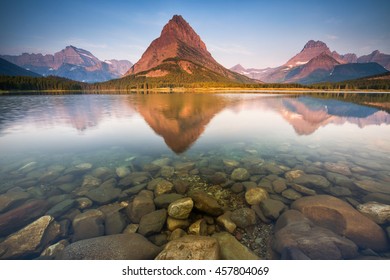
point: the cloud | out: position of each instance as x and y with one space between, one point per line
230 49
332 36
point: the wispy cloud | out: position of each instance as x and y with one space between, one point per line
332 37
230 49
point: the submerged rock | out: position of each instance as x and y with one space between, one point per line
88 225
231 249
114 220
139 207
191 247
308 180
198 228
373 186
163 201
181 208
130 246
240 174
243 217
296 237
272 208
378 212
31 239
10 199
105 193
61 208
340 217
206 203
152 222
226 221
255 195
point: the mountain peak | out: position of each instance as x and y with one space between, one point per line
315 44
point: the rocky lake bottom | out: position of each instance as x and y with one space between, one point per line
251 198
235 202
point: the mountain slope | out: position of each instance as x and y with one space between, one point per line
353 71
10 69
72 63
180 51
378 57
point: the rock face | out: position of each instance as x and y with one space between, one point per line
72 63
231 249
191 247
31 239
297 238
334 214
179 41
130 246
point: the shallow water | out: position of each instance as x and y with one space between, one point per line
49 144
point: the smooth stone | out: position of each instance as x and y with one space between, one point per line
297 235
218 178
181 186
184 166
132 228
17 218
191 247
173 224
105 193
266 184
181 208
230 163
11 199
240 174
122 171
272 208
198 228
90 182
56 199
237 187
249 185
150 167
133 190
61 208
55 249
83 203
31 239
340 180
176 234
373 186
291 194
67 187
340 191
162 162
163 187
139 207
114 220
340 168
88 224
131 246
226 222
255 195
303 190
65 179
340 217
260 214
163 201
103 173
243 217
279 185
273 168
206 203
167 171
231 249
378 212
152 222
159 239
308 180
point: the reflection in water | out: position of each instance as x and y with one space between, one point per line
180 119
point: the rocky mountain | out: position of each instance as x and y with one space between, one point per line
10 69
378 57
72 63
316 63
180 52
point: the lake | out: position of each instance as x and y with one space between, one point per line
295 176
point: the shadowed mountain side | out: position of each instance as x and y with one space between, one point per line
180 120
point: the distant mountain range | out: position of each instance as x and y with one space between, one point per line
316 63
72 63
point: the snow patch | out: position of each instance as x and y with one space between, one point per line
108 62
301 62
84 54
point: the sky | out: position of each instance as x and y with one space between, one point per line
256 34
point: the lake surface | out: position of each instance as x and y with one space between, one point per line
57 150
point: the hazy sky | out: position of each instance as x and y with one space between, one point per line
254 33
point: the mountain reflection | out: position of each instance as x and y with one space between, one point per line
180 119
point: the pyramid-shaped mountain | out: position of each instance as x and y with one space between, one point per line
179 51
